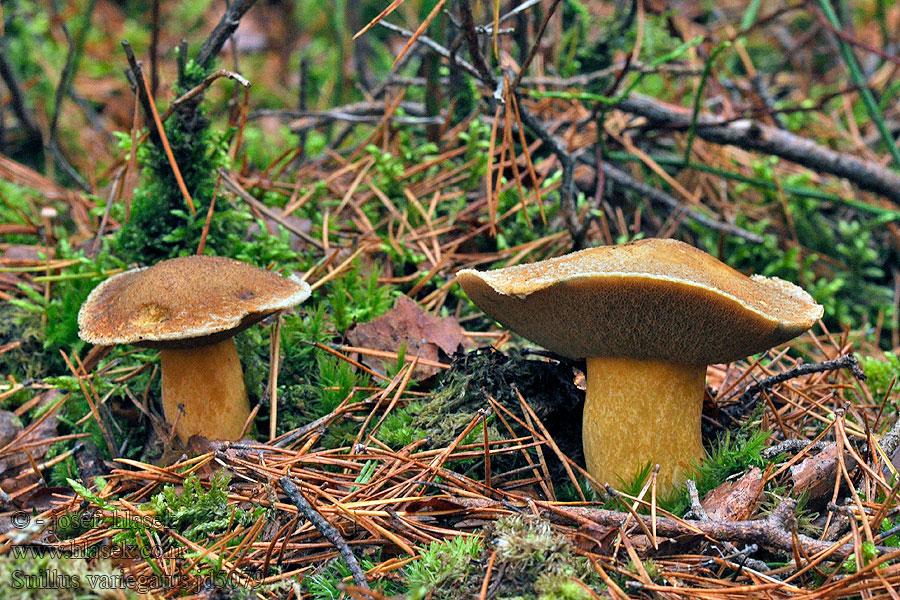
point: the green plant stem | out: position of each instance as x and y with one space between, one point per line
860 81
74 276
698 98
606 100
747 21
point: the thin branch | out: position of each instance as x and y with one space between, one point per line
657 196
223 30
430 43
153 117
275 215
17 96
471 37
359 112
73 61
536 45
136 76
890 441
752 135
328 531
773 531
792 445
201 87
64 78
746 402
154 48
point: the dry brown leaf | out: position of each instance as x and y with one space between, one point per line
426 336
594 538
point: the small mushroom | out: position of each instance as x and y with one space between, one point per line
191 308
648 316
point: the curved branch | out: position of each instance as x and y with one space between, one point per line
752 135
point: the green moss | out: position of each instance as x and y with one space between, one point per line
559 588
326 584
881 374
444 568
531 562
463 391
731 453
197 513
356 298
398 429
161 225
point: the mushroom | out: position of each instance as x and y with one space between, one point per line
191 308
648 316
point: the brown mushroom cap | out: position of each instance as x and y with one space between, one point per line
653 298
184 302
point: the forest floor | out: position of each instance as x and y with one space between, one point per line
402 443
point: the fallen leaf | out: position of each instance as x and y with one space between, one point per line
45 498
734 500
25 446
424 335
597 539
16 459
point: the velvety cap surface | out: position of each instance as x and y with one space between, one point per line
184 302
652 298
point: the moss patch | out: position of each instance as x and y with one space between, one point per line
531 562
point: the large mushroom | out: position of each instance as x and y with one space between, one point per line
648 316
191 308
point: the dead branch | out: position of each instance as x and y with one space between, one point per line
471 37
752 135
326 529
223 30
17 96
135 77
732 414
433 45
357 112
890 441
657 196
772 532
793 445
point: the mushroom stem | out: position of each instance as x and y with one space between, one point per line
208 383
640 412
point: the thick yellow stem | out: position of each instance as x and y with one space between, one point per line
640 412
208 383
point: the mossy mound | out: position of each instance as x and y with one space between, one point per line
531 561
547 385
